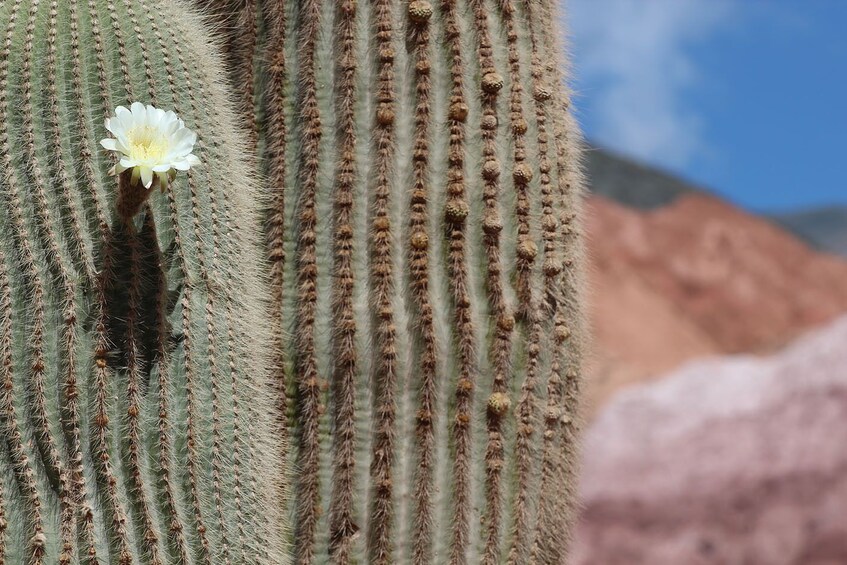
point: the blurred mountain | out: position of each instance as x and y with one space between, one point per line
728 460
641 186
824 228
631 183
697 277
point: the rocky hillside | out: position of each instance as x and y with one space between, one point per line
684 276
738 460
640 186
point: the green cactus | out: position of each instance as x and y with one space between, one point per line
424 237
136 410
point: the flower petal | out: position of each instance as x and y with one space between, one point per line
128 163
172 127
185 134
150 116
109 143
186 163
159 116
146 176
115 125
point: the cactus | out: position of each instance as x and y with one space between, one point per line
424 240
137 408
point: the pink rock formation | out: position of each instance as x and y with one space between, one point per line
734 460
696 278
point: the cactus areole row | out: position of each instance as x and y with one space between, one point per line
287 282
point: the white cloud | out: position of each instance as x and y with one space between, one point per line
634 68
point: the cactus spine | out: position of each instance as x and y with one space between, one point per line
425 242
137 410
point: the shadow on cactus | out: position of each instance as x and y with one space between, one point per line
137 414
136 288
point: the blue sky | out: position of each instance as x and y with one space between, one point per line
746 97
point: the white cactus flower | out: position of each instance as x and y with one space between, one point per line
151 142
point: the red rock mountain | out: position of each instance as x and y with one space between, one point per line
693 278
733 460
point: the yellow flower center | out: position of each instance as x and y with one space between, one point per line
146 144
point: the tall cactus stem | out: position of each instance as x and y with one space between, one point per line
211 352
177 544
260 548
455 221
70 417
202 546
214 372
238 452
105 479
